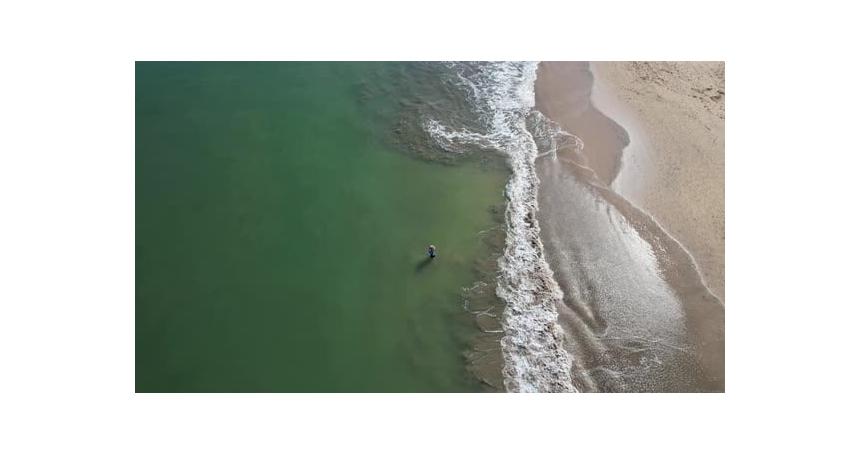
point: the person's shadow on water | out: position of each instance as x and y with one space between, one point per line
423 263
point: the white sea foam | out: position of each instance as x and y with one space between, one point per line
452 140
532 346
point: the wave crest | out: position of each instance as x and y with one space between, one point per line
502 95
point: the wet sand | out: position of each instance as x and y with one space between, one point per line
563 93
675 166
637 314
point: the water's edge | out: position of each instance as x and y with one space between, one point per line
532 345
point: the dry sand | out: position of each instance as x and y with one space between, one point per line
621 217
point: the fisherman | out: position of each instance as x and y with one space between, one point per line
431 251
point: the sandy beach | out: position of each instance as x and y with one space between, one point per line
675 171
632 220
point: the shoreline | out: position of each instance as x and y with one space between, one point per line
533 352
636 312
674 166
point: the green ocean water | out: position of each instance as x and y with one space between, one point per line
280 237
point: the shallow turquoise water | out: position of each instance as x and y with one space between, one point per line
280 239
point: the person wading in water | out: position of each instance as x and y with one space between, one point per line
431 251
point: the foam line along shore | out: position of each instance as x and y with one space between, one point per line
502 99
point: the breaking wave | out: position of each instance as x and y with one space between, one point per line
502 96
